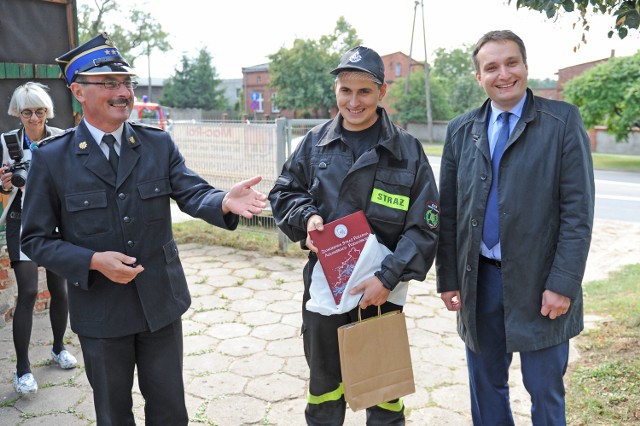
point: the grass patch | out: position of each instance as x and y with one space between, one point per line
603 386
261 240
434 148
616 162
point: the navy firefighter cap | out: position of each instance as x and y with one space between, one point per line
97 56
362 59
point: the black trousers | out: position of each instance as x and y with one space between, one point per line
326 405
110 365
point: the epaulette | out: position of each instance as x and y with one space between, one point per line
52 138
145 125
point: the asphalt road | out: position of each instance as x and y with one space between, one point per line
617 193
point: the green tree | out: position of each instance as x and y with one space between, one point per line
626 13
300 75
453 63
343 38
194 84
177 91
609 94
456 71
413 106
141 35
547 83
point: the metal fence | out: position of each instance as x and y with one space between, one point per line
225 152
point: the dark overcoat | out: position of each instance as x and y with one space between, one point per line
546 198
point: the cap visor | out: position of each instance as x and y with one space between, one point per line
338 70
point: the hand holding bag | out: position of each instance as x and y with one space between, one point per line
375 360
321 300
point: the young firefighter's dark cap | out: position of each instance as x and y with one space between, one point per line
362 59
97 56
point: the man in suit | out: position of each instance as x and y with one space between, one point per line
517 198
100 216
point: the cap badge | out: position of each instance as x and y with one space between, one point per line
107 40
355 57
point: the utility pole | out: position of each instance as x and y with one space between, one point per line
149 71
406 82
427 81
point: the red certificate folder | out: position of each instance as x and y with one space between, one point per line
339 247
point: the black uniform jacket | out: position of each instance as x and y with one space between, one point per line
75 206
392 183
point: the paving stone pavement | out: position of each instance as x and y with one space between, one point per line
243 355
244 361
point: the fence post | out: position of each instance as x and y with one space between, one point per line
283 147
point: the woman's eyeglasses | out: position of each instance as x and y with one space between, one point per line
112 84
40 113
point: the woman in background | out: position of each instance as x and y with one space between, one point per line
33 106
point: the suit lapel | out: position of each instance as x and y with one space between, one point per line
90 154
94 159
479 132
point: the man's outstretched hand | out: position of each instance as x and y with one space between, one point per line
243 200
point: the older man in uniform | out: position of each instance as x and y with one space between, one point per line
100 216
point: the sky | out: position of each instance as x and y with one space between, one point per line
242 33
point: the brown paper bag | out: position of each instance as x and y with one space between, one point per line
375 360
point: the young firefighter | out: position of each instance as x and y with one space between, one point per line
359 160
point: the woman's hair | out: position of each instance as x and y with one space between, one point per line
30 95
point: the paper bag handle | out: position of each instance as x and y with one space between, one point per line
360 312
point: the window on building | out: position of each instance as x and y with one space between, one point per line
260 101
274 103
398 69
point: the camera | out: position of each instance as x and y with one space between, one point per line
19 168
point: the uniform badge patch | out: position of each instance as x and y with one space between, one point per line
432 216
393 201
83 145
132 140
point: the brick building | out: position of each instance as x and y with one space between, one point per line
258 101
395 67
566 74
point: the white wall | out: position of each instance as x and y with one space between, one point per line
606 143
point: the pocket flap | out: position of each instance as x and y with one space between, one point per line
170 251
155 188
86 201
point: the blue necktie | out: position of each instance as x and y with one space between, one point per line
491 229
